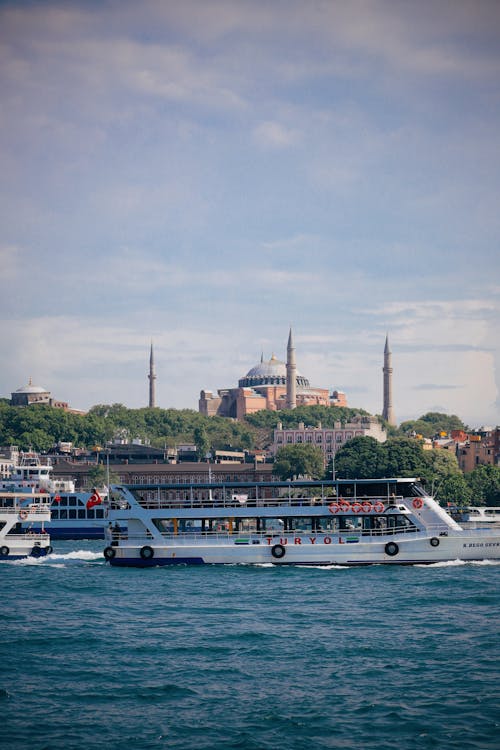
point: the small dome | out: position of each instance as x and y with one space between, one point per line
30 388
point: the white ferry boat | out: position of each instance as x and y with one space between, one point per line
16 509
345 522
74 515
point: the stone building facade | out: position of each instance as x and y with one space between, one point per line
328 439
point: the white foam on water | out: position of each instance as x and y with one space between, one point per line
58 560
83 554
458 563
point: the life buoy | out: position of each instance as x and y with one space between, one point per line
367 506
4 551
23 515
418 503
147 552
378 507
278 551
434 542
109 553
344 505
391 549
356 507
333 508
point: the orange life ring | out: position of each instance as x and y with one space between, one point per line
378 507
367 506
333 508
418 503
344 505
356 507
23 514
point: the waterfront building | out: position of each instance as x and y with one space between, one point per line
328 439
153 470
271 384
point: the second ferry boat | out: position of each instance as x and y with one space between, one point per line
74 514
345 522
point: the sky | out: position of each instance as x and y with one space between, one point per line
206 174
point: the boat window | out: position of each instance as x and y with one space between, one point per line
91 513
350 523
81 513
54 514
72 501
99 513
72 513
63 513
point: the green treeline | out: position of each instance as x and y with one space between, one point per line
43 427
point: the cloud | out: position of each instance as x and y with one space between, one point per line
435 387
274 135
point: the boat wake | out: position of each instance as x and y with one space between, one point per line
458 563
76 557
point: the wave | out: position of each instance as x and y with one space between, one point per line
457 563
60 560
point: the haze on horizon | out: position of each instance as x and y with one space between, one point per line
207 174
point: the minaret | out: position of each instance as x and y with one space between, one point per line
152 378
387 410
291 374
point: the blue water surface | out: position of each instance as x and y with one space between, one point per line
253 658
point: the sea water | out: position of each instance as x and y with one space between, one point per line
266 657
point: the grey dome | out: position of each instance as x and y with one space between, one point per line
269 372
31 389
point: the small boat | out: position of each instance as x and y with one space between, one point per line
75 514
16 509
473 517
342 522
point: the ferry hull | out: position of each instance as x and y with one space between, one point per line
279 551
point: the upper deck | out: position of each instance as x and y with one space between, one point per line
309 494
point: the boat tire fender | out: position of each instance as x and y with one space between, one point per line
109 553
147 552
36 551
391 549
49 550
434 541
4 551
278 551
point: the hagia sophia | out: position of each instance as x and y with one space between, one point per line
271 384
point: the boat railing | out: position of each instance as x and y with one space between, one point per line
159 503
25 509
32 536
197 535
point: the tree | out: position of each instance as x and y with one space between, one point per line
359 458
453 490
403 457
299 460
200 438
484 483
431 424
